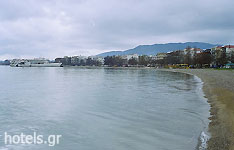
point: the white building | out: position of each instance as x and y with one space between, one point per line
135 56
229 48
161 56
193 51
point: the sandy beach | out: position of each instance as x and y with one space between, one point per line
219 90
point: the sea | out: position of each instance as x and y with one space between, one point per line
82 108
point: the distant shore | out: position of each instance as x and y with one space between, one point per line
218 88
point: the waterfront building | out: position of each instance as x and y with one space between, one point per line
161 56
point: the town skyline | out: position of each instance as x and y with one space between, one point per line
191 56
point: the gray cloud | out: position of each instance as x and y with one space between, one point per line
41 28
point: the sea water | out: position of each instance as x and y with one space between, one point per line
103 108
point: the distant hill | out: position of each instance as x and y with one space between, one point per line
159 48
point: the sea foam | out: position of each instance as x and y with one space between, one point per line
203 141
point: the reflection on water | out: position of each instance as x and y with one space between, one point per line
102 108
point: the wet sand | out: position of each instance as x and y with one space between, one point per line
219 90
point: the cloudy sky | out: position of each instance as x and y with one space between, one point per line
53 28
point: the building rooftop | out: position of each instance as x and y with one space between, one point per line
229 46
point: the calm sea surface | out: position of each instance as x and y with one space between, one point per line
102 109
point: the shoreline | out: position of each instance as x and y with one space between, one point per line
217 87
219 92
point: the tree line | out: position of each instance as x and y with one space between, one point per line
69 61
190 57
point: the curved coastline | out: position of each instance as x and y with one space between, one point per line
205 134
218 89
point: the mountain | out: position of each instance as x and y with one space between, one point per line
158 48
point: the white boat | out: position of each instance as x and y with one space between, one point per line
38 62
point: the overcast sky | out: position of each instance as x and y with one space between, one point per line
53 28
